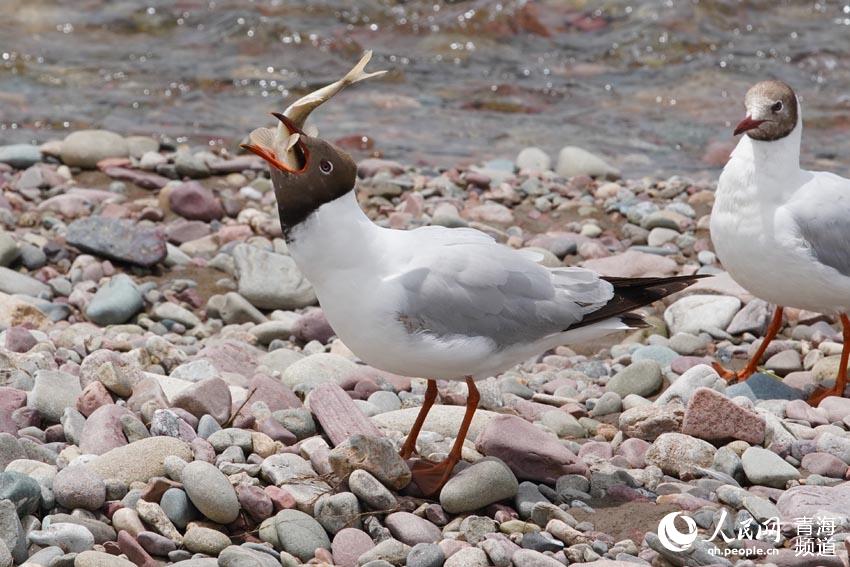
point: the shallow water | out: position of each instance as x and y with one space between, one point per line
652 85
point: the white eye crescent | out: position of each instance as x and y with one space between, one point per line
326 167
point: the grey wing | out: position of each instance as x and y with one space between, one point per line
821 212
478 288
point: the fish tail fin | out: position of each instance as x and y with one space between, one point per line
358 73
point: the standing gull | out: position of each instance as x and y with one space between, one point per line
780 231
433 302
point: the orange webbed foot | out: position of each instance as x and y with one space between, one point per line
430 477
731 376
821 393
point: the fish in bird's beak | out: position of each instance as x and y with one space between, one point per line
291 148
324 174
282 147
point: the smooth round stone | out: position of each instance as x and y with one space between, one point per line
101 531
72 538
317 369
103 430
337 511
533 159
475 528
348 545
390 550
79 487
298 421
205 540
156 544
573 161
20 156
527 496
411 529
642 378
207 425
470 557
608 403
300 534
385 401
193 562
271 281
23 491
84 148
677 454
824 464
140 460
221 440
52 392
210 492
541 542
563 424
767 468
694 313
255 502
127 519
662 355
245 556
784 362
531 558
178 507
100 559
477 486
371 491
11 532
426 555
115 302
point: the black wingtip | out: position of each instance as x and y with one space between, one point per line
634 293
634 321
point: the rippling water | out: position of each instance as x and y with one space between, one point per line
653 85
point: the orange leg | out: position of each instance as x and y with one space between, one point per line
772 330
410 443
430 477
841 380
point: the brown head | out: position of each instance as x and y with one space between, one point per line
771 111
322 174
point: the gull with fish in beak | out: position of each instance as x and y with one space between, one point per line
434 302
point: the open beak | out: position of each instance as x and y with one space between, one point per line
269 155
747 123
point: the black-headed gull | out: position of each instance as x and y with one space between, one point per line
783 233
433 302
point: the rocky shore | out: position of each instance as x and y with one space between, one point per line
170 393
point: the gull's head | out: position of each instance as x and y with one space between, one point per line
307 171
771 111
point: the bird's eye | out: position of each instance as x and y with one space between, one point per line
326 166
777 106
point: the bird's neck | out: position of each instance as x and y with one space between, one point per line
773 159
768 171
336 236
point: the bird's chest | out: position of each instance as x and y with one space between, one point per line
750 242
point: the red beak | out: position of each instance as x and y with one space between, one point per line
747 124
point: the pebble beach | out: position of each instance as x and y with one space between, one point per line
171 393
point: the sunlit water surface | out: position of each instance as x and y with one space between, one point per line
654 86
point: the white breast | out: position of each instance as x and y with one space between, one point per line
347 258
756 239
